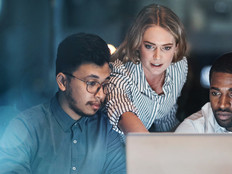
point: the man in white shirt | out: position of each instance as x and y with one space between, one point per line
216 115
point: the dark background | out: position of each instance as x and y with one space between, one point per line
30 31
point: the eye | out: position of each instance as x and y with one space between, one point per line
230 94
215 93
92 83
166 48
148 46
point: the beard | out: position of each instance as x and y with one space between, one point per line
226 124
72 103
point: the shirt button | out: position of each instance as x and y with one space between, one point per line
74 141
74 168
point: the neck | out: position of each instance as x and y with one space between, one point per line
156 82
65 106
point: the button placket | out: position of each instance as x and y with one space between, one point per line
74 147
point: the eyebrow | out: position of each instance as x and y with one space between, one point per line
92 76
162 44
214 88
95 77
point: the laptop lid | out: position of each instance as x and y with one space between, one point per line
168 153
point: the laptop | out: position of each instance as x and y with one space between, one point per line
169 153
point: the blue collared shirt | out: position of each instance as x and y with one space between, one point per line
44 140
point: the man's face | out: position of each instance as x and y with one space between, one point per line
221 98
80 102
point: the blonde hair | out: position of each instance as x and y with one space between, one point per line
151 15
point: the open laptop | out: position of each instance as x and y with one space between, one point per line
168 153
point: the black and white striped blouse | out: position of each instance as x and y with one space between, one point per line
133 94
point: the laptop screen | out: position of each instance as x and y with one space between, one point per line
168 153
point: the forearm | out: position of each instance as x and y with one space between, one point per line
129 122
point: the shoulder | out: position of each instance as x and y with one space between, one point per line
195 117
122 74
23 127
118 67
30 119
179 70
194 123
200 115
180 66
35 113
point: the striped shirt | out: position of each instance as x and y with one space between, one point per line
133 94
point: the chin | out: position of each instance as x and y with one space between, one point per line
89 114
225 125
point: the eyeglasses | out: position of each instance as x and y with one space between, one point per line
93 86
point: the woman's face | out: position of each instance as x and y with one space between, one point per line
157 50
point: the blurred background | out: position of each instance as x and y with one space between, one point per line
30 31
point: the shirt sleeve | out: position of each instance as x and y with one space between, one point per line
116 158
14 149
120 99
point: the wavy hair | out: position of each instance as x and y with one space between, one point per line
151 15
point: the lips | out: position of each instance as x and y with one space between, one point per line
223 116
156 64
95 106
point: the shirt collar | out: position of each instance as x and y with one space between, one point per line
168 76
220 129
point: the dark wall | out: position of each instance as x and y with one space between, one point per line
31 30
25 52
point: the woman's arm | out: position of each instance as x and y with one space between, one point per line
129 122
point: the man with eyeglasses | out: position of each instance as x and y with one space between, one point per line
71 133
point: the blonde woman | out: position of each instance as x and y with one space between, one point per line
149 71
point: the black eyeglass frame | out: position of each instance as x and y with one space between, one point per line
100 85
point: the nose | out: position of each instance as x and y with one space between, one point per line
225 102
156 53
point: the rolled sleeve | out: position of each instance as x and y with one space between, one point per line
118 103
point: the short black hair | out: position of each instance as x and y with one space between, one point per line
222 64
81 48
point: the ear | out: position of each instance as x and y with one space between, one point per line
61 80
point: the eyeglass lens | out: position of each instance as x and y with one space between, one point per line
107 88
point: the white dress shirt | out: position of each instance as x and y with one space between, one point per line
202 121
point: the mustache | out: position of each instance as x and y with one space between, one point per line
223 110
99 102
